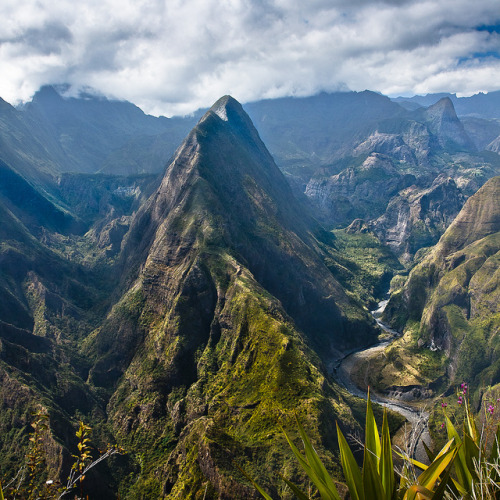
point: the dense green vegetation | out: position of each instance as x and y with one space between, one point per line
189 316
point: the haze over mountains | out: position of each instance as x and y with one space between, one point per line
176 283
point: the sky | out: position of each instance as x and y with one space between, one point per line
175 56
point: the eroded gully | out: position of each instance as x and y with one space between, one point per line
418 418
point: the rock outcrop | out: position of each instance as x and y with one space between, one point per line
455 291
417 217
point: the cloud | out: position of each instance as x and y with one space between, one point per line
172 56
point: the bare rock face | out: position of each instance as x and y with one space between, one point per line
393 144
361 192
446 126
417 217
494 145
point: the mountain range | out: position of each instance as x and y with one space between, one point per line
178 285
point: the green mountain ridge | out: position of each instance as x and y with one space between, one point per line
453 293
214 336
187 315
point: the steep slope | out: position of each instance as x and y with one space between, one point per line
454 292
25 149
213 338
31 206
444 124
47 305
417 216
304 134
92 133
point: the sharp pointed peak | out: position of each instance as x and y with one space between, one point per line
226 106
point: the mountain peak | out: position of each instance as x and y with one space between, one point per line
444 123
231 111
225 103
47 93
444 107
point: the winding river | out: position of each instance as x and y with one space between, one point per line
418 418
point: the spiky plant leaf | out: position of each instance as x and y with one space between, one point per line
464 476
317 467
430 454
372 438
429 477
314 468
372 483
351 470
386 466
417 492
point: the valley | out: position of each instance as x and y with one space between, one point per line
416 414
183 284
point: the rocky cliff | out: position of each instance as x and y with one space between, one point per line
215 334
454 292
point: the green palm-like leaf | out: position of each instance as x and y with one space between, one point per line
429 477
351 470
430 454
372 483
314 468
386 466
327 484
372 438
418 492
464 477
441 489
470 425
472 454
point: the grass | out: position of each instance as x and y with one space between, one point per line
362 264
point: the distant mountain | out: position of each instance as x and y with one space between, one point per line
306 133
417 216
454 292
483 132
479 105
214 332
411 150
332 147
96 134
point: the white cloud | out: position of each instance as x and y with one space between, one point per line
172 56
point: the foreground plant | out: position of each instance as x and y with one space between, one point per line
477 464
29 482
461 469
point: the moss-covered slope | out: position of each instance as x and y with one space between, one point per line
454 294
211 344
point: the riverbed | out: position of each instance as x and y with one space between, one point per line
418 418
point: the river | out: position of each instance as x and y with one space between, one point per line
418 418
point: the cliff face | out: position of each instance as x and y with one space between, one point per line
445 125
213 336
358 192
417 217
408 177
454 291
